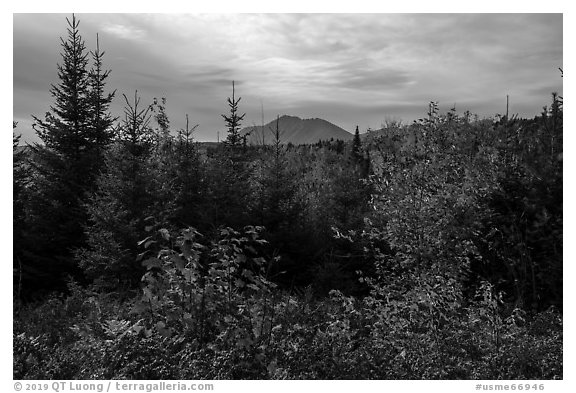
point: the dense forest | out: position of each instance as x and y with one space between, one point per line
424 251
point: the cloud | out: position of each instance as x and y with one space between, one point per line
348 68
207 77
124 31
363 76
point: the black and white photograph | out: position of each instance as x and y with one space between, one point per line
287 196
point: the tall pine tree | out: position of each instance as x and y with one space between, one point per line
101 131
233 121
229 174
357 145
279 205
74 133
20 181
189 179
124 198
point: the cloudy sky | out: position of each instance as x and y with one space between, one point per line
350 69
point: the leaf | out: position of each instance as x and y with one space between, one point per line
139 308
187 248
165 234
146 295
178 262
144 241
140 256
148 243
151 263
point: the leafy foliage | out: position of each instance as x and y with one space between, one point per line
204 290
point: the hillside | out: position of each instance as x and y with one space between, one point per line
296 131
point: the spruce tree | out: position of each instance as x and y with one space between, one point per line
360 156
20 181
73 133
280 208
357 145
233 121
188 179
229 175
64 129
101 133
20 177
123 200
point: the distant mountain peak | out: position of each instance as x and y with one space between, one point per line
297 131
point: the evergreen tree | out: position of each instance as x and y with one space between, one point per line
280 208
74 133
233 121
20 177
188 178
102 131
360 157
64 130
357 145
124 199
20 181
229 189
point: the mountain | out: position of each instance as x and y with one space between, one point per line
296 131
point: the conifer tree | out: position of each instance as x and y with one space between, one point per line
233 121
74 133
280 207
64 129
188 178
102 132
360 156
357 146
124 199
20 181
20 177
229 174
